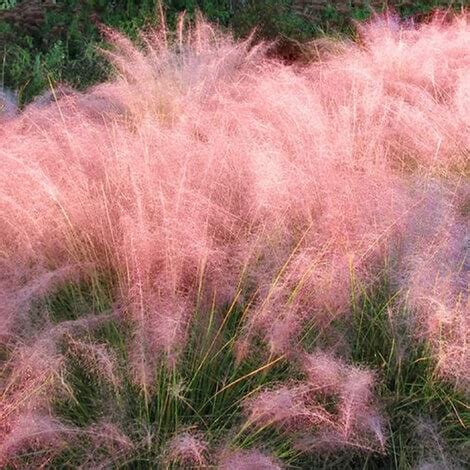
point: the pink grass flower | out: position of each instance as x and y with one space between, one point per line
187 448
248 460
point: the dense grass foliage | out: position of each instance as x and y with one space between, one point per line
55 41
217 259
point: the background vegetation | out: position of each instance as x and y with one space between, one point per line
49 41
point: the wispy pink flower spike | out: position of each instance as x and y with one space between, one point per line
248 460
324 372
356 395
34 431
287 408
187 448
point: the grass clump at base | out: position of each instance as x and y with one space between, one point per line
206 388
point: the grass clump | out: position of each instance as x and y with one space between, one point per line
220 259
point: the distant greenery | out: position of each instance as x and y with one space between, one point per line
49 41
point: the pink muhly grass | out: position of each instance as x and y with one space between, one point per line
333 408
432 448
34 431
357 422
187 448
286 407
435 279
206 173
18 296
109 445
108 433
145 193
248 460
354 421
32 380
324 372
96 358
33 373
355 397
